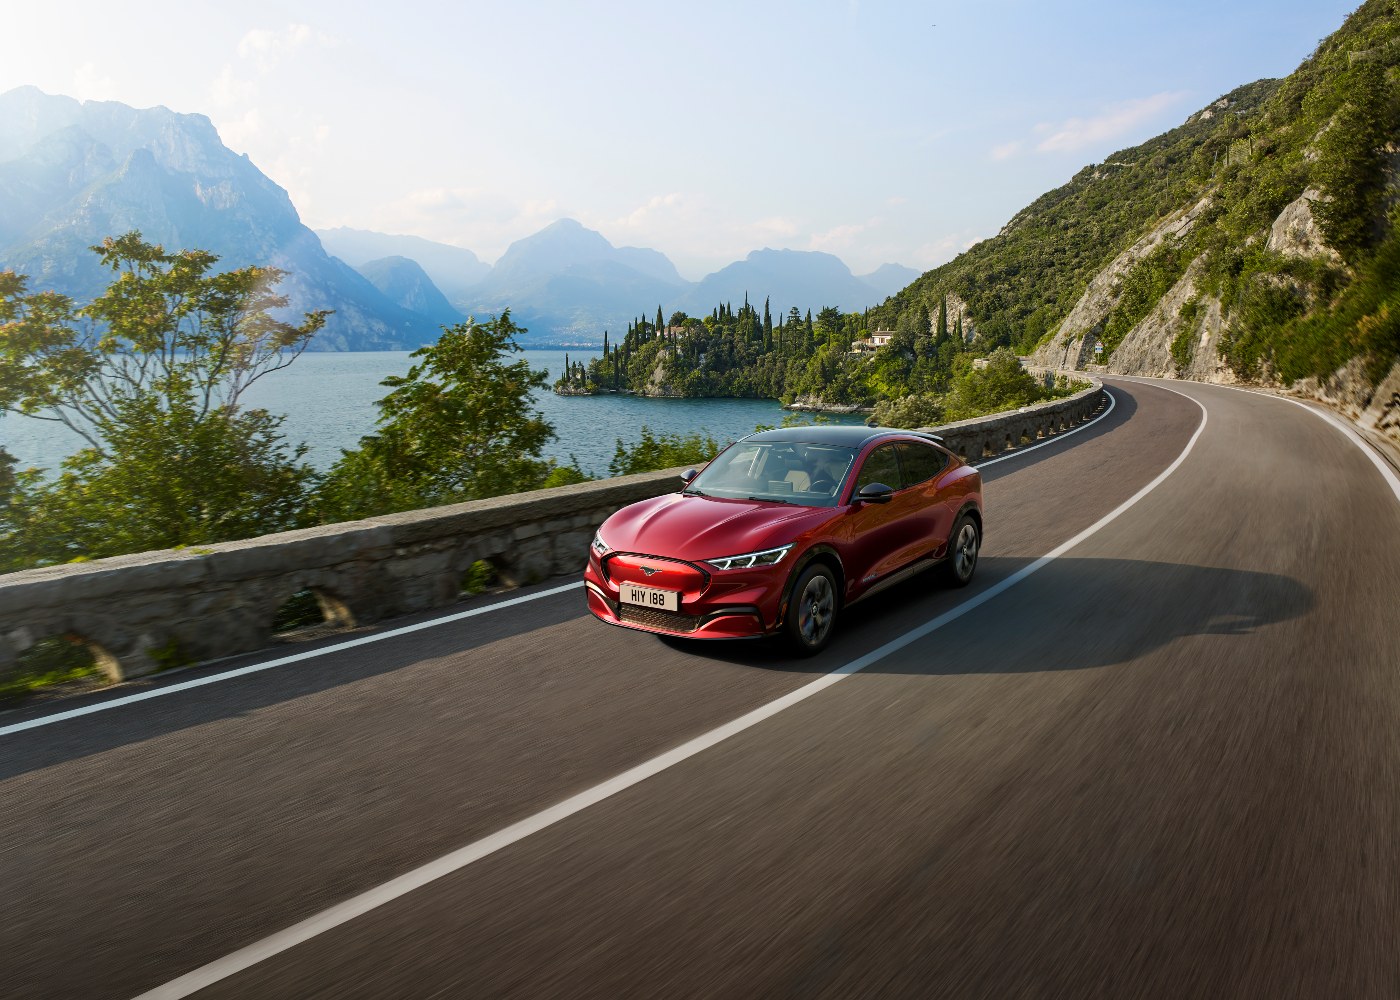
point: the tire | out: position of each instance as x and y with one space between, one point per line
811 614
963 546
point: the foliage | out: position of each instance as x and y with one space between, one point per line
457 427
150 374
662 451
166 478
1183 345
1331 125
914 410
49 662
1001 385
167 326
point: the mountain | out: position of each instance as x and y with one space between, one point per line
888 279
568 282
72 173
406 284
806 279
452 269
1255 242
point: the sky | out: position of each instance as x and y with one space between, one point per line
877 131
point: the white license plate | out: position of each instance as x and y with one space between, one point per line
666 600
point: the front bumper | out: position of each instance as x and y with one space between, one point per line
734 605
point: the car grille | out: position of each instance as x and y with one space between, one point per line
671 621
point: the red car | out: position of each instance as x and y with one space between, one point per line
782 530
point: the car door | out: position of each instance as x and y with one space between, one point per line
881 537
921 466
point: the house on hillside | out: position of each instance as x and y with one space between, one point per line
872 343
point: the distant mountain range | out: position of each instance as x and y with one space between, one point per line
568 283
73 173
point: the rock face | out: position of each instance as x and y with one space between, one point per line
1295 233
1072 346
957 309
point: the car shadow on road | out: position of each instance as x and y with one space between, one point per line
1071 614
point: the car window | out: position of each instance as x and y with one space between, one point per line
794 472
881 466
920 462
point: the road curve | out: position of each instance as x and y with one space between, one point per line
1167 763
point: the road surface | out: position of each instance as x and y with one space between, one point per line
1163 763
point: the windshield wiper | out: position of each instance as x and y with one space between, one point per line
772 500
693 493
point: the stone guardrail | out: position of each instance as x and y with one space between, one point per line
143 612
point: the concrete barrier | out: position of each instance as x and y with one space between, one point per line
139 613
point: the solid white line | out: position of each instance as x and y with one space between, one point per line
161 692
1387 473
341 913
1057 438
281 661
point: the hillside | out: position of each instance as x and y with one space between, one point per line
454 270
73 173
1255 242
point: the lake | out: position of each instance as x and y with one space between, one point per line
328 400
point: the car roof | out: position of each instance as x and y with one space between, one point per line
842 435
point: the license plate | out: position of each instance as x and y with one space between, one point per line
666 600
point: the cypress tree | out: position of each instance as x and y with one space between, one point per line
942 318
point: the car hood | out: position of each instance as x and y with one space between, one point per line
695 528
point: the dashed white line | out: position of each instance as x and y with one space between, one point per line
341 913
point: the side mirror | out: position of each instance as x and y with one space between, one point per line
688 475
875 493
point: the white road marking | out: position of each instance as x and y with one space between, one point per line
1387 473
1053 440
356 906
281 661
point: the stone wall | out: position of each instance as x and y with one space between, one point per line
141 612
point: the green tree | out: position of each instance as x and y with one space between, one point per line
150 375
662 451
1351 164
1002 385
459 426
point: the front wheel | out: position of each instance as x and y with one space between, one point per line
811 610
963 546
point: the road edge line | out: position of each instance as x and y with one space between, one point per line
358 905
103 706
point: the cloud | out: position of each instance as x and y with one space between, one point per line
841 238
268 44
89 84
1006 150
1077 133
652 211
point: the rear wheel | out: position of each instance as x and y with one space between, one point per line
811 610
963 546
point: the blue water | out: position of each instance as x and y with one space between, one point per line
328 400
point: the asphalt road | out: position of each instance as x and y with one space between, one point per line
1164 764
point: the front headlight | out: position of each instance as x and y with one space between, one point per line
601 547
750 560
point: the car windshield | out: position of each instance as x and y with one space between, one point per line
795 472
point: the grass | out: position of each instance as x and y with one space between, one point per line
46 664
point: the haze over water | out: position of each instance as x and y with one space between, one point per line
329 398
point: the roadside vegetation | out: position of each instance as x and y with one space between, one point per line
1331 127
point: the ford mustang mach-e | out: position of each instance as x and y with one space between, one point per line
783 530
